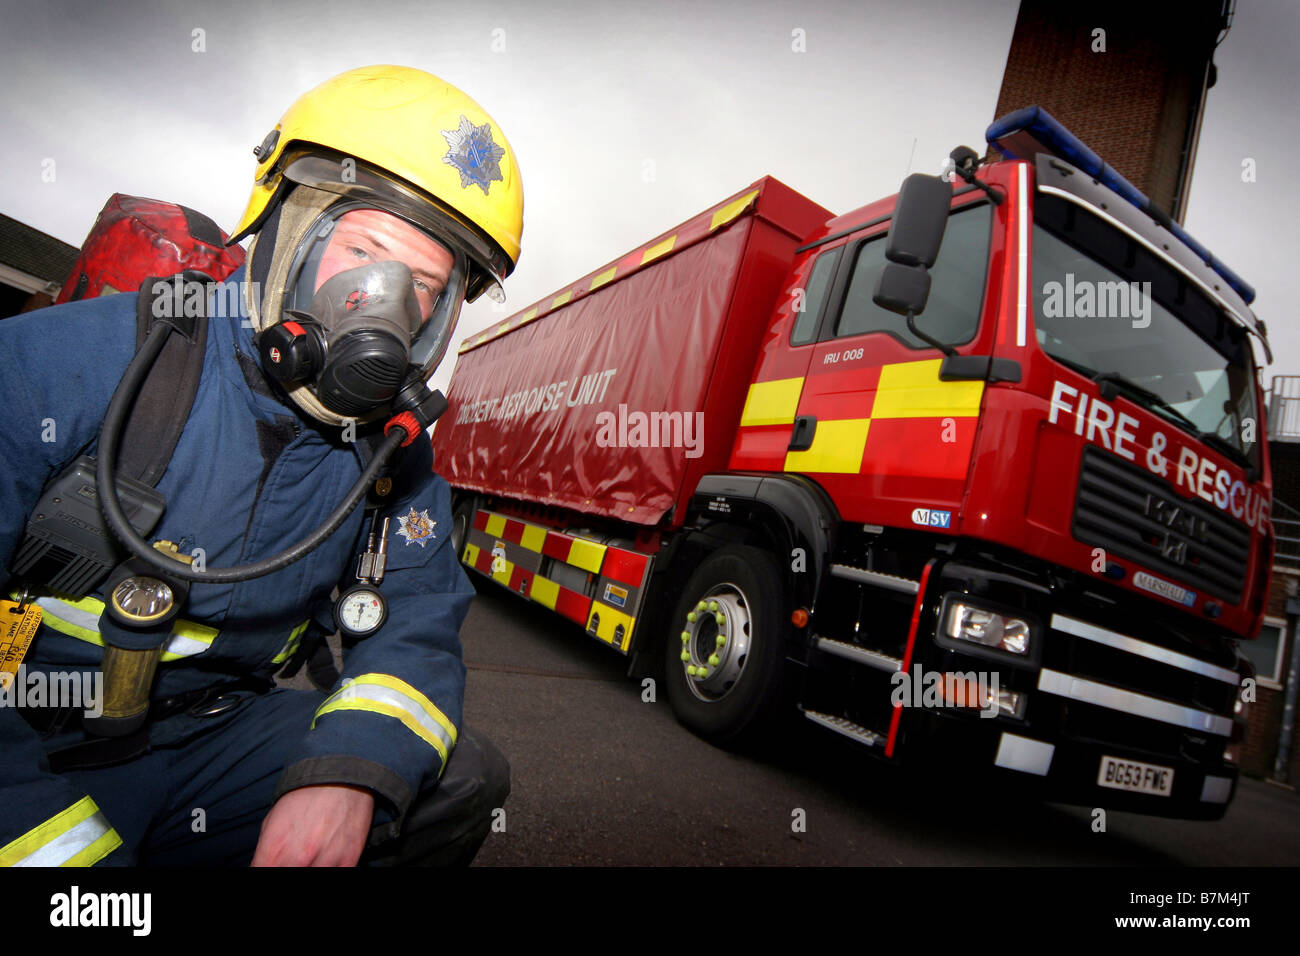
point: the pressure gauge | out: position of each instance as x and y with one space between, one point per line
360 610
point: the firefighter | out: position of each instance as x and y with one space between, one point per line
383 199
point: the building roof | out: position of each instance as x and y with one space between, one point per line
34 252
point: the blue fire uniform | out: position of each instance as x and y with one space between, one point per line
250 476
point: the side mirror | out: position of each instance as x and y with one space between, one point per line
920 217
915 234
902 289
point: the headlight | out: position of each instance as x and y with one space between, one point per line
968 622
1240 727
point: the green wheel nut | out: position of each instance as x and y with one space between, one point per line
686 637
713 605
714 660
722 639
692 617
720 618
691 670
686 656
701 606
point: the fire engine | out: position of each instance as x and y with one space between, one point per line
999 430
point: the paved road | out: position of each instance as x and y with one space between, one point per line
602 778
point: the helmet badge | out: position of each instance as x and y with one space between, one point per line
474 154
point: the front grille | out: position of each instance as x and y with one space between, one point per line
1159 661
1134 514
1159 742
1108 665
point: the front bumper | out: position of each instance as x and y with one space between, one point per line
1106 679
1065 770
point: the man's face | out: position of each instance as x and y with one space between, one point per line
364 236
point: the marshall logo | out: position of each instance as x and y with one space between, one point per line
1182 524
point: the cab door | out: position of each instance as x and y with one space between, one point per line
875 425
767 420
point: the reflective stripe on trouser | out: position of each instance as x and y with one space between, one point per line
382 694
291 645
79 836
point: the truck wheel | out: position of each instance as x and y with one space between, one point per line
461 518
726 645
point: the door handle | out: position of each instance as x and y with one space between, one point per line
805 426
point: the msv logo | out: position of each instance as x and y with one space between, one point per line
930 518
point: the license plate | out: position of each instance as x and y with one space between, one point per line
1136 777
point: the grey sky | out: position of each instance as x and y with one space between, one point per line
590 95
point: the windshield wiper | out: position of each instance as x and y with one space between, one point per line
1150 398
1076 366
1228 448
1119 383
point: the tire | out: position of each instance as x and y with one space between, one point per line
731 702
461 517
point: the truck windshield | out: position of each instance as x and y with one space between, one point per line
1107 307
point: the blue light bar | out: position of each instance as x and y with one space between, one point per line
1033 130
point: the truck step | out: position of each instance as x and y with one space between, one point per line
861 655
890 582
848 728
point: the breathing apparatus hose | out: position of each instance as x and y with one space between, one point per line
110 437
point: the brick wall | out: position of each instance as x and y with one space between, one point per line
1277 595
1260 746
1284 456
1134 104
1259 749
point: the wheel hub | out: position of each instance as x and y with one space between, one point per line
715 642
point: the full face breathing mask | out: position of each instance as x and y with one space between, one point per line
353 335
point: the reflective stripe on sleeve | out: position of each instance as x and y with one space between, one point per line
79 836
382 694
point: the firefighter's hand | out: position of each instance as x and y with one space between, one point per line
316 826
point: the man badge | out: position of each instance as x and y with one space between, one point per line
416 527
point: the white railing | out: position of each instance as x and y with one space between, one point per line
1284 408
1286 529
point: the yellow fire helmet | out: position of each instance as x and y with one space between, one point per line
417 132
396 139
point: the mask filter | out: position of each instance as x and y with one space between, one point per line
354 345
